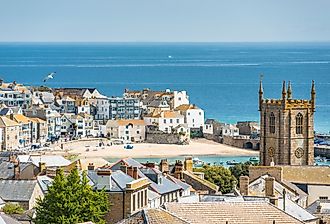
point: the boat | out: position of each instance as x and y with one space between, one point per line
321 159
232 162
197 162
254 160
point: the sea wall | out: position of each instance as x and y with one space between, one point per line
241 142
164 138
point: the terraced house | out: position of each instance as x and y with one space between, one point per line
9 131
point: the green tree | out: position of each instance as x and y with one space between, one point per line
220 176
11 208
241 169
70 199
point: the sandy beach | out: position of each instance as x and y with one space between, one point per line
90 149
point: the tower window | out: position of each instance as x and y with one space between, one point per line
299 123
272 123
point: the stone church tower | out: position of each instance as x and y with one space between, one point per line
286 129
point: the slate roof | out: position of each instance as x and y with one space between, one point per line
17 190
4 111
6 170
233 212
49 160
325 207
164 187
183 185
5 219
118 180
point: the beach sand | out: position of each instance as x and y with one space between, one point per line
147 150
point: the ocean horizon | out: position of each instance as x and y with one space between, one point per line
221 78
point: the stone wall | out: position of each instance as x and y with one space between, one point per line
117 208
164 138
241 142
213 137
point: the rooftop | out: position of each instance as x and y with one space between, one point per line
17 190
233 212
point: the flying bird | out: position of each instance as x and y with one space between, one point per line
49 76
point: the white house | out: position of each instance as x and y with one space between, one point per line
127 130
166 121
193 115
180 98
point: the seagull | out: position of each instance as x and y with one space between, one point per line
49 76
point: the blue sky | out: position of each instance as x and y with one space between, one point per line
164 20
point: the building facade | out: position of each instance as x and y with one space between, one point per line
124 108
287 129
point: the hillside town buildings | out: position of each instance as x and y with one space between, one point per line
284 188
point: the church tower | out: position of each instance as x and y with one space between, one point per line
286 128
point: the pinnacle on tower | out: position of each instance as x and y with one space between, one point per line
289 90
313 95
283 90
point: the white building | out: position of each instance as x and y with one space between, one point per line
166 121
180 98
127 130
102 106
230 130
193 115
52 117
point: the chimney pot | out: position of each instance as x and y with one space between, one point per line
91 166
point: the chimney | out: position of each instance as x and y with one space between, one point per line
164 168
318 207
129 171
269 190
90 166
12 159
135 173
42 167
17 171
244 185
188 164
178 168
103 179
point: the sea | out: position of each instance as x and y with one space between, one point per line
221 78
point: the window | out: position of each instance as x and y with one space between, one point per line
177 121
134 202
299 123
171 121
272 123
164 121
